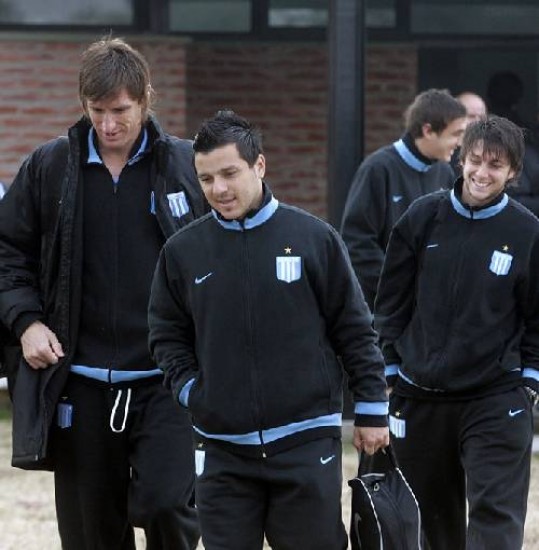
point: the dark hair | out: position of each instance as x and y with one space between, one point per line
110 65
227 127
499 136
435 107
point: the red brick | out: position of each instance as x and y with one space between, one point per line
282 87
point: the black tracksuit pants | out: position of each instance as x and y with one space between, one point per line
477 450
293 498
108 481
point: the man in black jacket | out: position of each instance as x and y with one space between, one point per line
252 309
80 233
458 315
389 179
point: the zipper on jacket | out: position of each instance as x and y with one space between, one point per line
262 444
115 271
251 349
454 296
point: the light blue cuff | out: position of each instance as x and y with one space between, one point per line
380 408
184 393
392 370
528 372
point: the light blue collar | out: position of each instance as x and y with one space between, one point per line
262 216
94 158
478 214
409 158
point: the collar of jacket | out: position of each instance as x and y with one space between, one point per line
154 131
411 155
262 216
157 142
140 147
476 213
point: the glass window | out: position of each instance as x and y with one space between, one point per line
63 12
476 17
298 13
381 14
314 13
210 15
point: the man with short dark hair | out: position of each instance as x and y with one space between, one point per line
252 309
390 179
457 311
80 233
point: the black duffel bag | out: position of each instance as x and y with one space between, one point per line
385 513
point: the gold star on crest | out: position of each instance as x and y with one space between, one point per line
397 413
505 248
288 250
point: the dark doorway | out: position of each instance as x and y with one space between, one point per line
469 69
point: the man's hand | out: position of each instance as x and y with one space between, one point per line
370 439
40 347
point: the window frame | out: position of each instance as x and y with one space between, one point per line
154 21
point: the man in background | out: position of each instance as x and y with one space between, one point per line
390 179
476 108
505 91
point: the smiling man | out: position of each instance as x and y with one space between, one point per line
458 316
390 179
252 309
80 234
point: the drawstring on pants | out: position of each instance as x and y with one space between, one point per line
115 408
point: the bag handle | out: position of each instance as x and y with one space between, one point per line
367 463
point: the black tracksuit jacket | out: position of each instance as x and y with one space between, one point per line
458 301
263 352
41 259
384 186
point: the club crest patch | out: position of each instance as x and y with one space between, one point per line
288 268
397 426
178 204
500 263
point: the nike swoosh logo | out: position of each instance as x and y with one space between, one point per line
397 198
199 280
514 413
432 245
326 460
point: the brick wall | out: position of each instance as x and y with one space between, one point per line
282 87
39 86
391 85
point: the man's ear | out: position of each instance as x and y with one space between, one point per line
260 166
510 177
84 107
147 101
427 131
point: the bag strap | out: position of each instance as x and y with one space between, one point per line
383 460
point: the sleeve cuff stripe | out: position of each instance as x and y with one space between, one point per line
392 370
184 393
380 408
530 373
